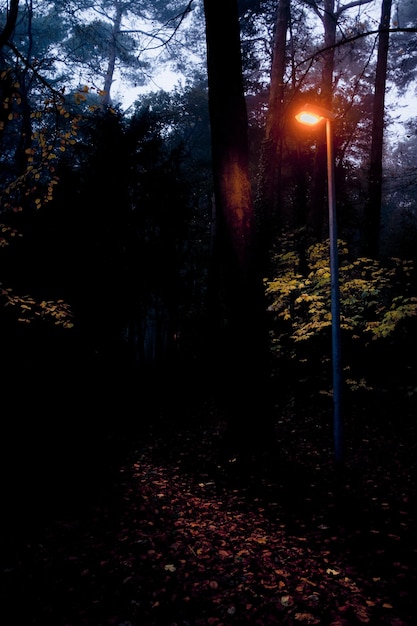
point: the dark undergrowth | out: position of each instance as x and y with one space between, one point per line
147 518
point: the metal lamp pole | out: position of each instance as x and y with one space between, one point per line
311 115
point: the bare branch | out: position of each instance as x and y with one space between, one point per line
39 76
342 42
181 17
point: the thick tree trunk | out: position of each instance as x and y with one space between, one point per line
268 202
373 208
240 346
228 118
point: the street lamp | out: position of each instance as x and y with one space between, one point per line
311 115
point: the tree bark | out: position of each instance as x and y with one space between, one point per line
317 218
236 290
373 207
269 187
228 119
329 16
115 34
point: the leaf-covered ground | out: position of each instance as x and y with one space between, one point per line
183 534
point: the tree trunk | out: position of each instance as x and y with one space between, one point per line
236 290
108 81
373 207
8 28
317 219
269 189
228 119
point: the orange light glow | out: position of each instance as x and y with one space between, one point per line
308 118
311 114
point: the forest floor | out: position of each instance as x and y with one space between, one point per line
181 535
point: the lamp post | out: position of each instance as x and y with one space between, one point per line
312 115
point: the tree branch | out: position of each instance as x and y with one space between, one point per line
358 36
28 65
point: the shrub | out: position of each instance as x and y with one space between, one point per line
378 309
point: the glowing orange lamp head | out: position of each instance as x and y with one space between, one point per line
311 115
308 118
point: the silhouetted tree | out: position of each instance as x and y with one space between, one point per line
239 360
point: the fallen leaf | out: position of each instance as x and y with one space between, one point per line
306 617
334 572
224 553
170 568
